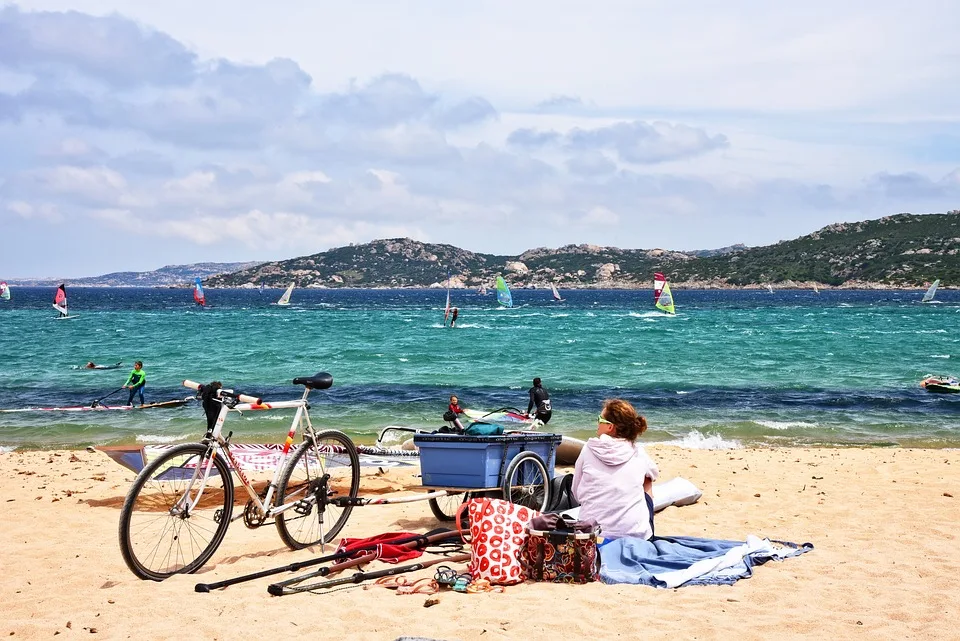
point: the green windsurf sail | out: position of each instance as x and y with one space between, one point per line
503 293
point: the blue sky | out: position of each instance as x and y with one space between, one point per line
135 135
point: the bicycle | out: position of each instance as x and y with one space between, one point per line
177 511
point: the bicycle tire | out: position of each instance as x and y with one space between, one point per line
445 508
527 482
303 526
156 541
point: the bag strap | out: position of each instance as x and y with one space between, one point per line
459 518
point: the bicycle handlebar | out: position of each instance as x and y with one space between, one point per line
243 398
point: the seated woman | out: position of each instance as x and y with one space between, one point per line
613 478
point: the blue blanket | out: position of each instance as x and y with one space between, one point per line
667 562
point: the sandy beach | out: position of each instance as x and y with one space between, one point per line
883 521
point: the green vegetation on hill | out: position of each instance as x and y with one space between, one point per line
905 250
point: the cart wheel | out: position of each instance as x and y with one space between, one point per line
527 482
445 508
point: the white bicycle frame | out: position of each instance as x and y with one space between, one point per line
219 444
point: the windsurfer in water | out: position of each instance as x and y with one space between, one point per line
136 382
453 319
540 399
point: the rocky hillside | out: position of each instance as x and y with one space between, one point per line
897 251
169 276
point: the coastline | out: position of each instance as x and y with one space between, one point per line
879 518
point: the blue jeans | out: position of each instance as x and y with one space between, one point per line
134 391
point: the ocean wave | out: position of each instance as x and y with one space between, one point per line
157 439
695 440
940 356
785 425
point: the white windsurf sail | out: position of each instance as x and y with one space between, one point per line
556 294
931 292
770 288
446 309
4 290
816 290
285 299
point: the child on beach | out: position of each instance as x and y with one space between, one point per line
613 478
136 382
453 412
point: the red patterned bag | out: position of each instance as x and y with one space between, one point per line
498 533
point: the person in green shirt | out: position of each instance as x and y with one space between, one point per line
135 382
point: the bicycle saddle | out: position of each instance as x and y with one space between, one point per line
320 380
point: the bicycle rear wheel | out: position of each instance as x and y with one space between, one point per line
159 534
305 481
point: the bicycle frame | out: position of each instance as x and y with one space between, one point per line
217 443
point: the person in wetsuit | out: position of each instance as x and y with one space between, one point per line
136 382
540 399
453 320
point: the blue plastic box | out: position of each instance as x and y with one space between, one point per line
478 462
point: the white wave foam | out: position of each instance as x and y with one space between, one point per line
697 441
404 360
940 356
646 314
784 425
155 439
6 449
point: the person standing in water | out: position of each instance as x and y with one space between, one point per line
453 319
136 382
540 399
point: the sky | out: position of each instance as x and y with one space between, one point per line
140 134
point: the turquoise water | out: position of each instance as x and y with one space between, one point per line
732 368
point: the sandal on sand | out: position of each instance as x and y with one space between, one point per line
482 585
445 575
391 582
425 585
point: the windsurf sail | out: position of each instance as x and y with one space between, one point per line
285 299
503 293
770 288
4 290
483 290
931 292
816 290
446 310
664 300
198 295
659 280
556 294
60 300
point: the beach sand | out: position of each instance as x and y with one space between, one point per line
884 523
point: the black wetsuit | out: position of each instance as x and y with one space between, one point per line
540 398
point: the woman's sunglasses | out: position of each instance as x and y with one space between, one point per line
600 419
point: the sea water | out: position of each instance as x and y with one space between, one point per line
732 368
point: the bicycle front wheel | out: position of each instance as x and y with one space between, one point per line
322 468
173 519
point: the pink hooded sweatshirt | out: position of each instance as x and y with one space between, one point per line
608 483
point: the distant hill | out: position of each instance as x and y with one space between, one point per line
169 276
905 250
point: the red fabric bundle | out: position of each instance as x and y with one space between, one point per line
387 548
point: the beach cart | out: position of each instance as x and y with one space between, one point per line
517 466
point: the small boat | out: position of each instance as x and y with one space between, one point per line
556 294
285 299
662 296
931 292
941 384
198 296
4 290
504 297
